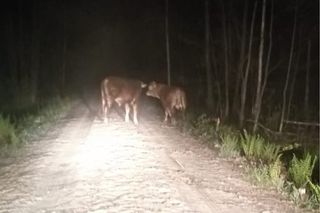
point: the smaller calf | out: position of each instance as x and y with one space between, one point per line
172 98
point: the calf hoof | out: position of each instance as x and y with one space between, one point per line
126 119
135 121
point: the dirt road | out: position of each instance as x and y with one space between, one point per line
82 165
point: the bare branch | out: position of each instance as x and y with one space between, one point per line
274 67
301 123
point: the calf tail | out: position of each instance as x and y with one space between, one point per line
183 100
103 92
103 96
183 103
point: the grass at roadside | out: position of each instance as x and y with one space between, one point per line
15 130
265 163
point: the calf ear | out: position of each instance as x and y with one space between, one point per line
143 85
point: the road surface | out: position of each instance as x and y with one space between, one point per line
82 165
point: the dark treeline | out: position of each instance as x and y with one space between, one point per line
51 47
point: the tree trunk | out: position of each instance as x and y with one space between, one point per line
258 100
12 48
207 55
35 63
245 77
284 96
306 93
21 78
167 43
292 86
64 57
235 104
296 67
267 72
226 62
215 68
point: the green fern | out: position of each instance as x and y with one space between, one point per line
253 146
7 132
275 170
300 170
270 153
244 144
259 174
229 146
228 130
315 190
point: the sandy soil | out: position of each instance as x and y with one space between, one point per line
82 165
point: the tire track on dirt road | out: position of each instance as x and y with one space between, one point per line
186 182
211 178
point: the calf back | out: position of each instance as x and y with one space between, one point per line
173 97
170 96
121 90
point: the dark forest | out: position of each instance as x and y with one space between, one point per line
53 48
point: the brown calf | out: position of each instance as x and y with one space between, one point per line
122 91
171 97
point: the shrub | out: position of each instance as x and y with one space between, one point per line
7 132
275 173
301 170
257 149
259 174
26 125
185 124
270 153
48 111
295 195
315 190
230 146
268 175
252 146
228 130
53 110
205 127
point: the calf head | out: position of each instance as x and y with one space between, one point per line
143 85
153 90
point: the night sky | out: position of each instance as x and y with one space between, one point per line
127 38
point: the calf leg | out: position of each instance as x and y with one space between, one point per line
104 110
172 118
127 106
103 105
135 112
166 116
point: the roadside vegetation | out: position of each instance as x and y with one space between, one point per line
288 167
19 126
